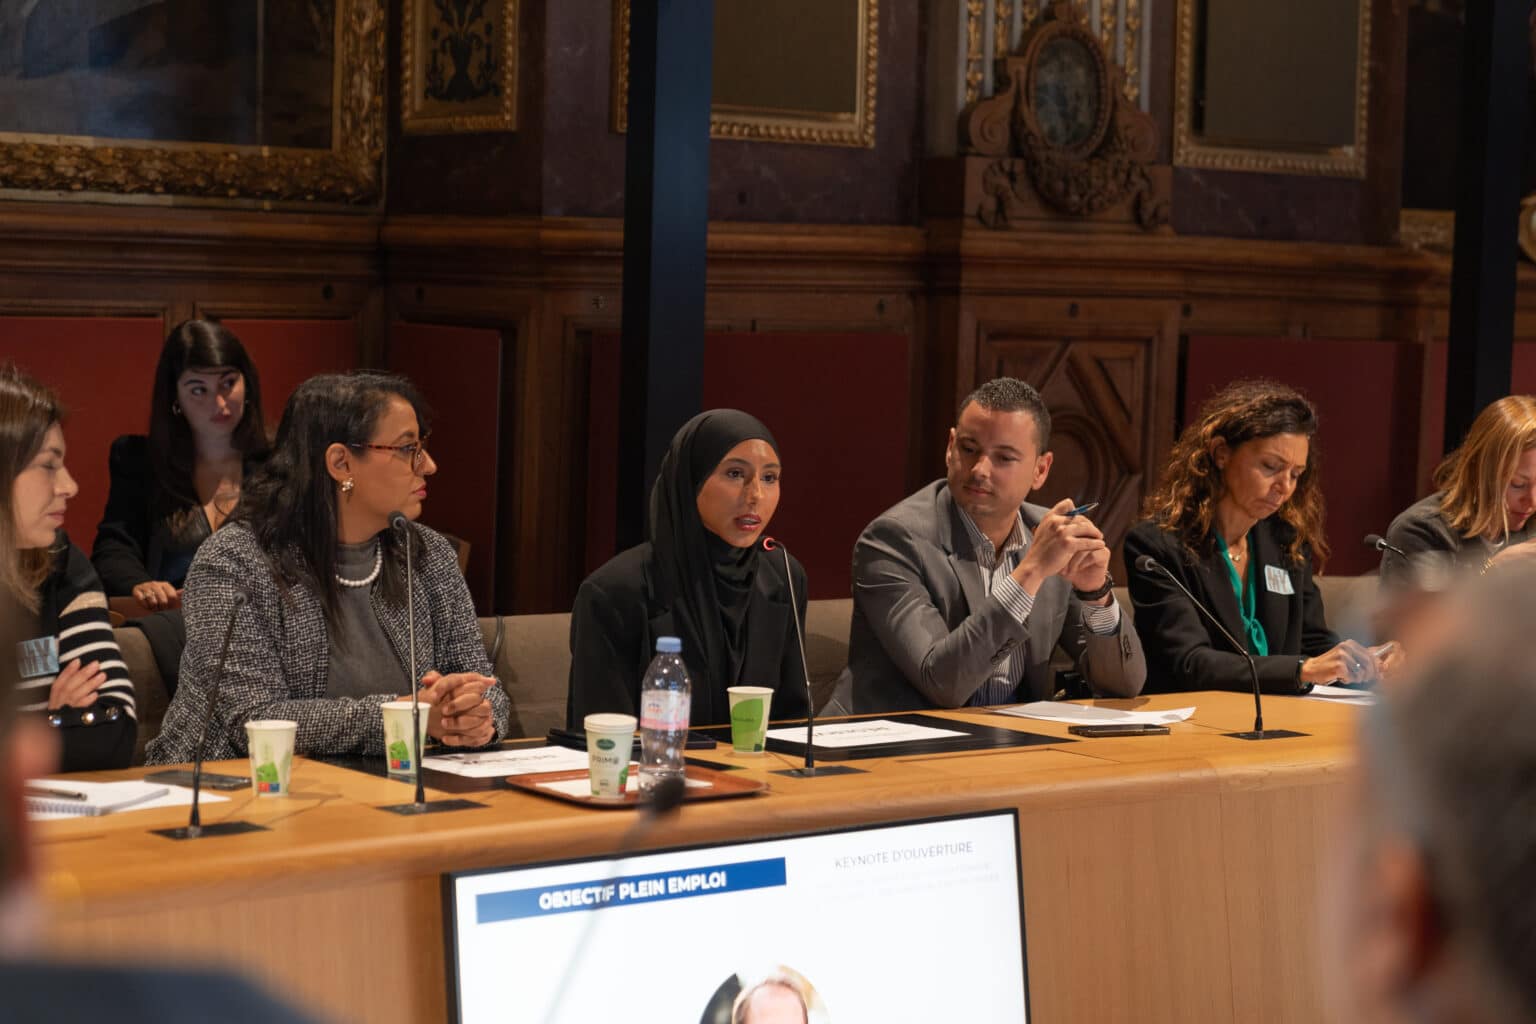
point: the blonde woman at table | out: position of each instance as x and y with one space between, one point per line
1485 494
1238 520
322 639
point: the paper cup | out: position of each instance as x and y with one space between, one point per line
749 717
270 742
399 752
610 740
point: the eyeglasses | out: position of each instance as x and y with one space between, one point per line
415 453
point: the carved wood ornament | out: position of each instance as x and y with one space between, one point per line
1062 134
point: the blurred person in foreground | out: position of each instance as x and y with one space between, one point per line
1433 913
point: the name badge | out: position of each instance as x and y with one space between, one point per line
37 658
1278 580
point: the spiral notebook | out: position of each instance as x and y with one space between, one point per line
70 798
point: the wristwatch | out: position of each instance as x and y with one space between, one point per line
1095 595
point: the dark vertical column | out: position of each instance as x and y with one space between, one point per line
1495 62
666 194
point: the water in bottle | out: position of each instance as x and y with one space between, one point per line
666 696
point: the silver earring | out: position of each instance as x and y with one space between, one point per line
176 408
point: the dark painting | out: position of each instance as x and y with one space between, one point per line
222 72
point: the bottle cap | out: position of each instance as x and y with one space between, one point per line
669 645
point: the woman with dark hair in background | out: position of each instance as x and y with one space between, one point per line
70 670
172 489
322 639
702 577
1238 519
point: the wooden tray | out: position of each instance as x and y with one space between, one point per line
722 786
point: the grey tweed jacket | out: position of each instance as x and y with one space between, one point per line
278 661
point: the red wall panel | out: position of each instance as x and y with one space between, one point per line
288 352
458 371
837 405
103 369
1368 399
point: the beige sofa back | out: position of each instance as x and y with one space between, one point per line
533 661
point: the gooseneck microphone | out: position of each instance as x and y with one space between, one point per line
194 828
1380 543
769 544
660 801
1148 564
195 820
402 526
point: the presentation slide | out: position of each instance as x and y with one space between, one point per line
912 922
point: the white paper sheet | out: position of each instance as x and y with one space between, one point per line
1342 695
583 787
863 734
1086 714
174 796
495 764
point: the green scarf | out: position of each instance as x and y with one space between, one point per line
1247 602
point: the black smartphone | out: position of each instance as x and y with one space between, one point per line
1119 729
213 780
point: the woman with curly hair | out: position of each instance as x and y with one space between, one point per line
1238 519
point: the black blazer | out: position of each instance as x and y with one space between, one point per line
134 543
613 638
1185 652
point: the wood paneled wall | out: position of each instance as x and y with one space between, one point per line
1097 321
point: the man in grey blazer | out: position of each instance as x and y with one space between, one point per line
962 591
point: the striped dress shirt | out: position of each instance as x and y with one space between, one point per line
997 577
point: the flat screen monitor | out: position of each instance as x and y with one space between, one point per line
920 920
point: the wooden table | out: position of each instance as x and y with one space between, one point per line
1167 878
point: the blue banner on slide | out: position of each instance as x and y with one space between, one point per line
570 898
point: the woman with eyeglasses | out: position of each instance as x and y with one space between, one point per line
322 639
172 489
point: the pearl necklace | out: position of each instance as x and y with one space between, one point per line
378 566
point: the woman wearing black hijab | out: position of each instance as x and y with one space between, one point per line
703 577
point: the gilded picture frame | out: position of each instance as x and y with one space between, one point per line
458 66
345 167
853 127
1190 150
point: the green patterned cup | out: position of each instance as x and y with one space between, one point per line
397 736
749 717
610 741
270 742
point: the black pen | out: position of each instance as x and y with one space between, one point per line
1083 510
60 794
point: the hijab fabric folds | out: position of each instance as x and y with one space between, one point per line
704 582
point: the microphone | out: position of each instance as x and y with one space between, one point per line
1380 543
769 544
810 770
402 526
1148 564
194 828
660 801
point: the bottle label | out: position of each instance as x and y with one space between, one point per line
666 710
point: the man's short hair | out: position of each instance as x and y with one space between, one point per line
1452 769
1009 394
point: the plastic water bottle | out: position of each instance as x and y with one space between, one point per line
666 696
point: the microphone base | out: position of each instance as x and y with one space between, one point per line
222 828
820 771
430 807
1267 734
